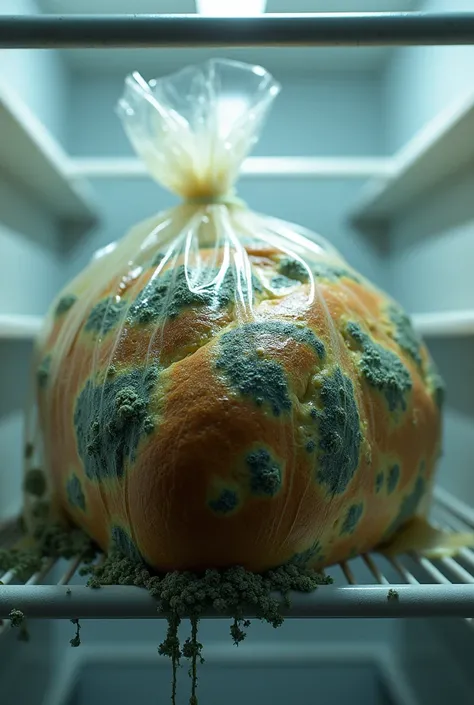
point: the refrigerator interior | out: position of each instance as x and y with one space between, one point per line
391 134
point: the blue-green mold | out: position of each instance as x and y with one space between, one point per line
110 419
291 268
408 506
382 368
253 375
42 373
352 518
35 482
105 315
225 503
340 435
64 304
123 543
435 383
281 282
166 295
332 272
265 473
310 555
378 482
75 493
405 335
157 259
294 269
393 478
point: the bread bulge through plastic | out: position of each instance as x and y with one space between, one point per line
220 387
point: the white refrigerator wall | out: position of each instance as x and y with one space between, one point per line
31 265
39 77
431 262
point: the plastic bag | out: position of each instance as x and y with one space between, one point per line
220 387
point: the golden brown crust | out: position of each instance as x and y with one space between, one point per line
307 433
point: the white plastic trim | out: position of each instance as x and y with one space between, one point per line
297 167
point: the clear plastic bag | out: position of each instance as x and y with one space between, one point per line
220 387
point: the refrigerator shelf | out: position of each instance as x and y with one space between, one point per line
282 29
372 585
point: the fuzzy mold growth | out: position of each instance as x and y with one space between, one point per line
179 595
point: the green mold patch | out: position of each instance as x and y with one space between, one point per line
248 371
352 518
294 269
382 369
332 272
405 335
408 506
49 540
35 482
75 493
64 304
256 284
122 542
29 450
282 282
111 418
226 502
435 384
43 372
166 295
393 478
23 563
18 621
378 482
340 434
157 259
308 556
291 268
105 316
265 473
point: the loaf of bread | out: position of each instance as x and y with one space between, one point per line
204 414
220 388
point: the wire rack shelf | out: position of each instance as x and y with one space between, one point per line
303 29
372 585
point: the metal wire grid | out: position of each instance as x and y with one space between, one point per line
308 29
363 587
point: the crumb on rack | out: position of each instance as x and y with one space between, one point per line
76 640
16 618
